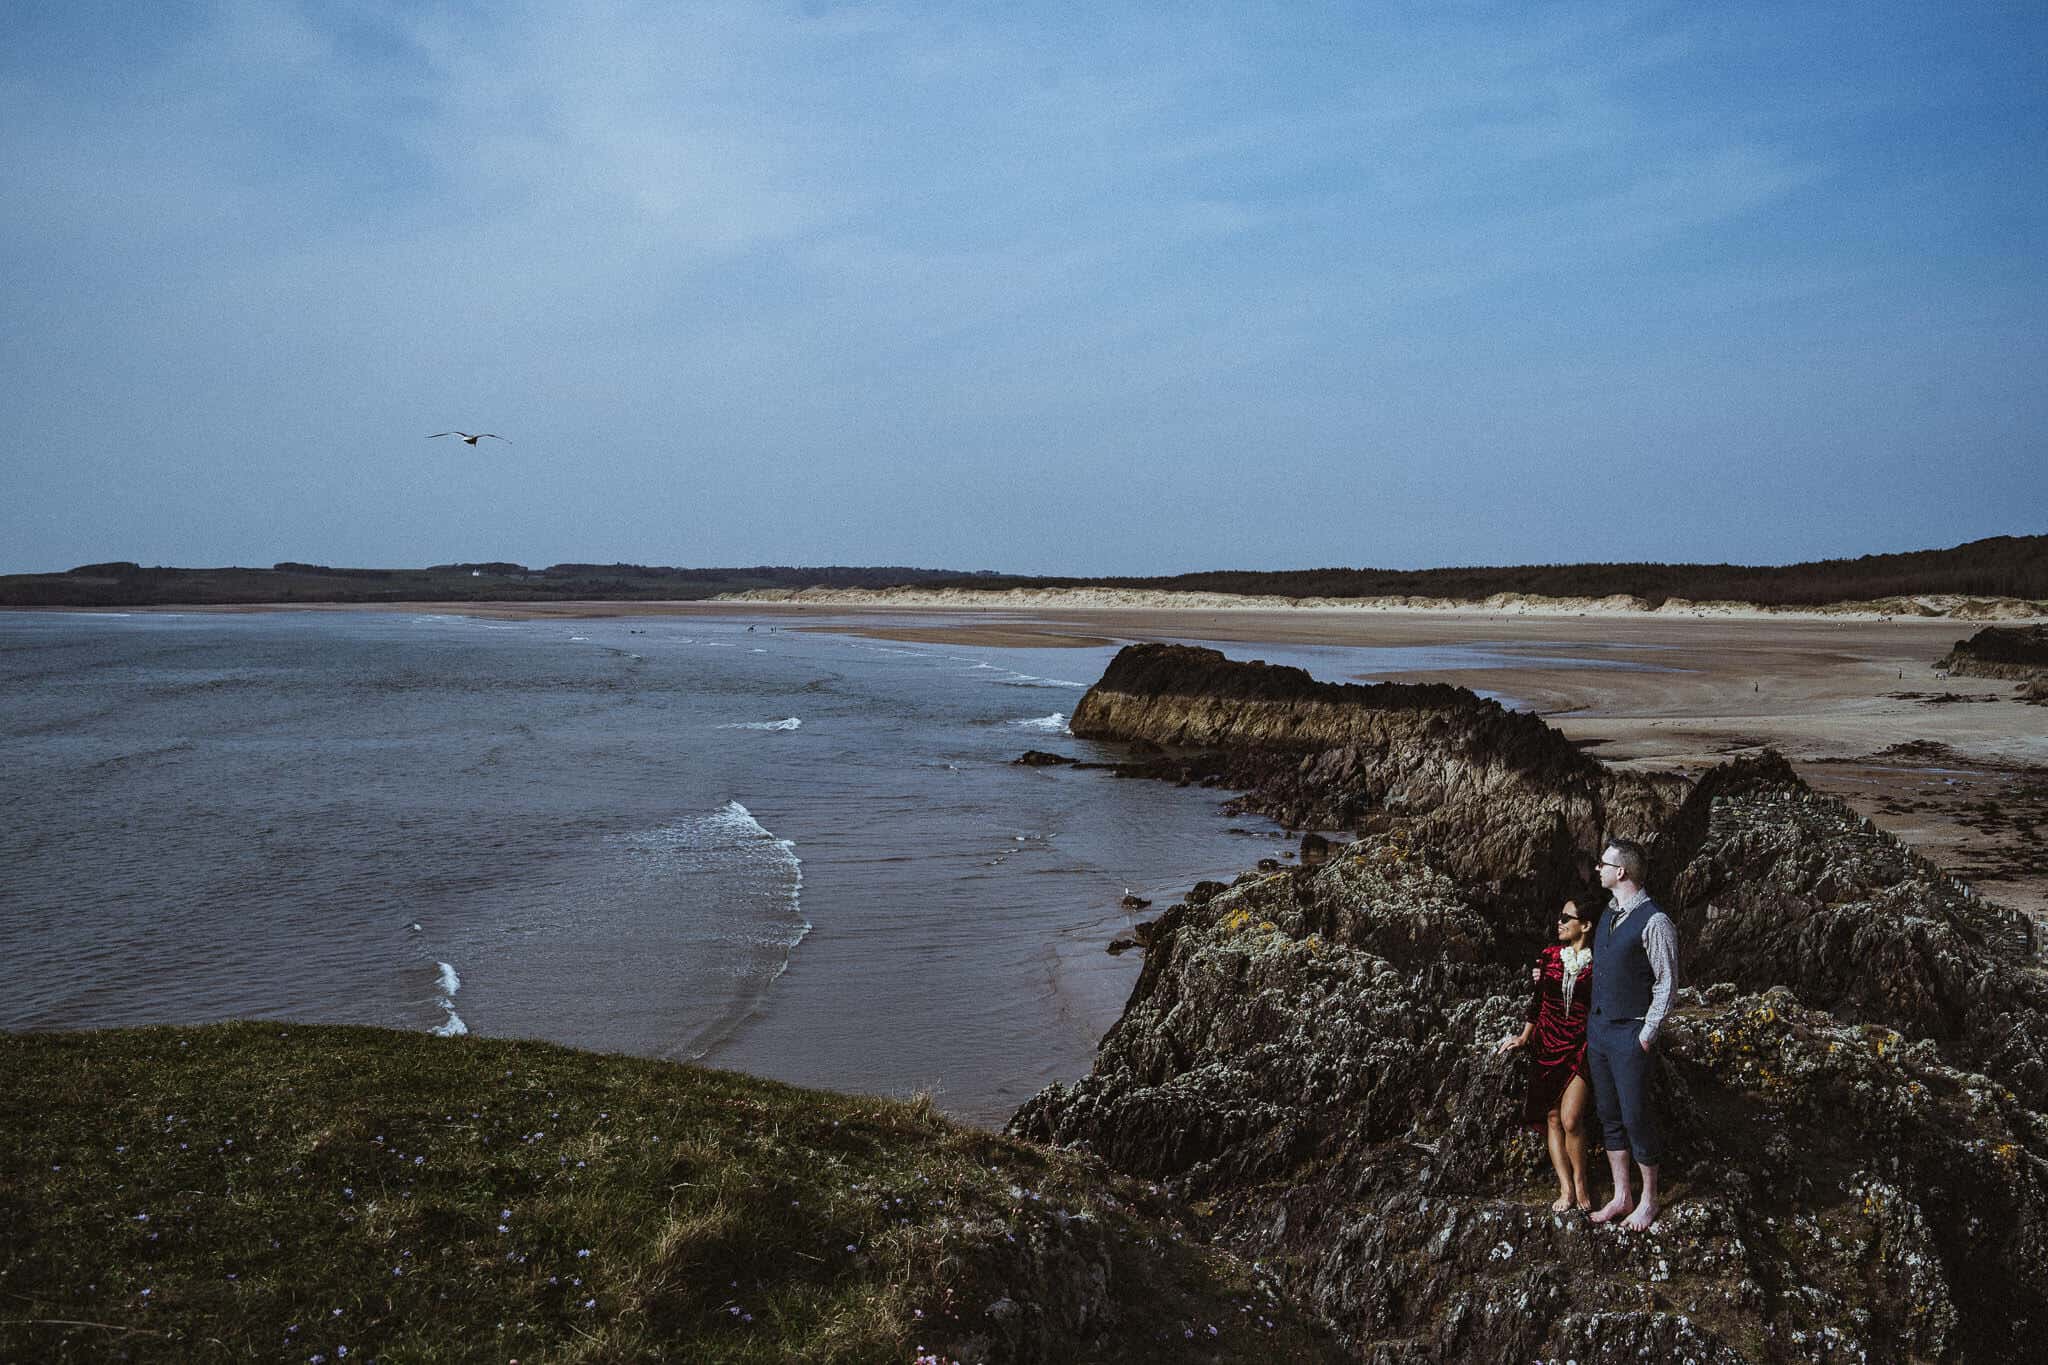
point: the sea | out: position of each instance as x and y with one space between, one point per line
799 853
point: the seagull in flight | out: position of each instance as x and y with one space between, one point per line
468 439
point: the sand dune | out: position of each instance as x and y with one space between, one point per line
1925 606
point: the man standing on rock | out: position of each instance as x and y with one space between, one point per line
1637 956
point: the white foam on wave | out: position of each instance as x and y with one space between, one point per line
791 724
448 983
725 842
727 838
1056 723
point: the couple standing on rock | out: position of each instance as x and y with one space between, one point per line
1599 1029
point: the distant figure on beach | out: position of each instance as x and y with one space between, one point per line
1558 1086
468 439
1631 995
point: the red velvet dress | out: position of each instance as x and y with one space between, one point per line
1557 1043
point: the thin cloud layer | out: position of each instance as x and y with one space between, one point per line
1128 291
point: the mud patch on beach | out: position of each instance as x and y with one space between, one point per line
1984 821
1941 698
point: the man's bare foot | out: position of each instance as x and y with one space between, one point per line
1640 1220
1613 1208
1561 1203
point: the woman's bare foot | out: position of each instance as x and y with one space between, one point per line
1640 1220
1613 1208
1561 1203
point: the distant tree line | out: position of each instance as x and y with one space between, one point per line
2002 566
124 583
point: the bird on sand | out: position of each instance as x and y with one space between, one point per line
468 439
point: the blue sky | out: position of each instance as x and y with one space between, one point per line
1041 288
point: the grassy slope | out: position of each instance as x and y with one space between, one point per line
266 1191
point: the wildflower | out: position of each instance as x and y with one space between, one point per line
583 1253
504 1213
590 1303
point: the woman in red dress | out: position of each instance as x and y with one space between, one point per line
1558 1084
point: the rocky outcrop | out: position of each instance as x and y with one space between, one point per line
1779 886
1854 1077
2016 652
1507 803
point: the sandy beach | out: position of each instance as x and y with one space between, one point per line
1954 766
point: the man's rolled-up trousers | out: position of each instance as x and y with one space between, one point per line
1621 1088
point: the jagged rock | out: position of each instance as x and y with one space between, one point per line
1134 902
1315 850
1039 758
1509 804
1853 1078
1781 886
2019 652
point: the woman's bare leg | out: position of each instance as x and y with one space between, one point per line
1571 1117
1553 1137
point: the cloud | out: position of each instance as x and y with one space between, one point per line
690 247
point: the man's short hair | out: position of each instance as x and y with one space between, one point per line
1635 864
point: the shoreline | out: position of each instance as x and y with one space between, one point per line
1836 692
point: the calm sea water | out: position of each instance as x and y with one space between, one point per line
798 854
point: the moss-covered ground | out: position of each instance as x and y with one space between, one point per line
290 1192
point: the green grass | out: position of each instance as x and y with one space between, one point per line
287 1192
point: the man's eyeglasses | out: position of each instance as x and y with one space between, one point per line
1608 862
